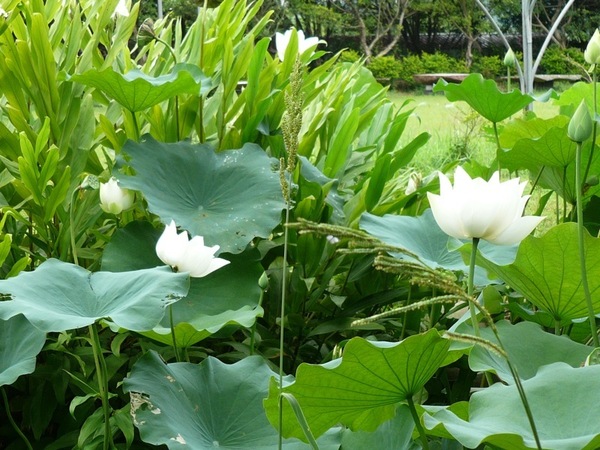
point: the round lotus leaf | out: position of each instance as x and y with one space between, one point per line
228 197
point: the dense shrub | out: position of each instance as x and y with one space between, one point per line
441 63
385 67
562 61
489 66
350 56
409 66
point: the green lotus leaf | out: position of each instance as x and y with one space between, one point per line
553 149
563 401
132 247
138 91
229 197
20 344
546 272
206 405
519 340
424 238
228 296
484 97
394 434
363 388
570 99
528 128
59 296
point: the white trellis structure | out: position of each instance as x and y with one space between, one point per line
530 67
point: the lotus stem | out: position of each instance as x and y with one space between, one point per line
580 230
498 148
594 124
102 375
417 420
72 228
12 421
173 334
470 289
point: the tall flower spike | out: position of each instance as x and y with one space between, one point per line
292 119
489 210
185 255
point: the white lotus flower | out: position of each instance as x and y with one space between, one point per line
121 9
185 255
114 199
282 41
475 208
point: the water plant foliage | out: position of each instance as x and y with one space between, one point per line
346 318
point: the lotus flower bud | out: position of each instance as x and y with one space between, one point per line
113 198
580 126
510 60
592 51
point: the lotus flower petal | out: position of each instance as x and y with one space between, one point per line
171 246
475 208
282 41
186 255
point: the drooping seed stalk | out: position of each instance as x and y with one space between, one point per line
513 371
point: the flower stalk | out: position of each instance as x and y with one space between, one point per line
102 375
290 126
417 420
470 284
580 233
579 130
12 422
186 255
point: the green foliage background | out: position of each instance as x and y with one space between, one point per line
324 282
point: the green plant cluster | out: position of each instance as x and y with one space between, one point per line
555 61
565 61
338 273
404 68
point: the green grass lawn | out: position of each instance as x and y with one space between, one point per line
456 131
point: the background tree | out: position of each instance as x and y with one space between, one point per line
464 16
379 23
422 26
